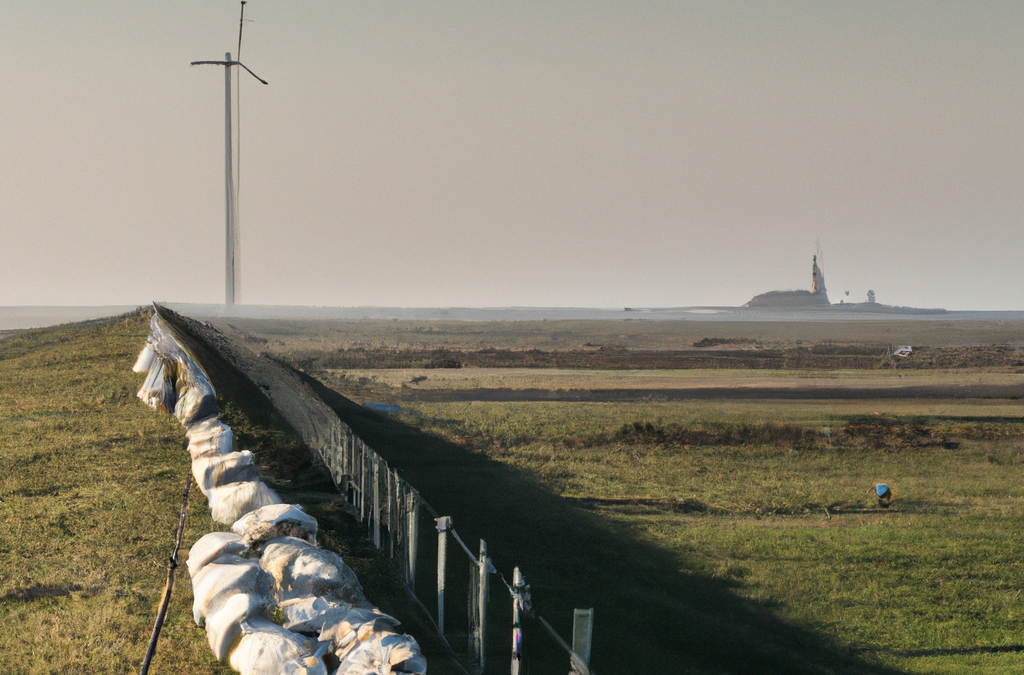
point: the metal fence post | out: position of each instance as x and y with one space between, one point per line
362 480
391 511
376 500
413 511
474 647
443 523
520 603
484 587
582 634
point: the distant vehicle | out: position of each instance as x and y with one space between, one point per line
903 351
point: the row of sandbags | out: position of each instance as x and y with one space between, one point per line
271 601
268 565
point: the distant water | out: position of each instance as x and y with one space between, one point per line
847 313
32 317
37 317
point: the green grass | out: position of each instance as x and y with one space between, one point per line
88 508
705 556
750 526
932 584
294 335
90 498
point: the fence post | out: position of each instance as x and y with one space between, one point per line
391 511
474 647
350 458
443 523
346 453
362 481
520 603
412 538
484 587
376 500
582 634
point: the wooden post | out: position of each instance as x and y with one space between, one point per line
443 523
582 633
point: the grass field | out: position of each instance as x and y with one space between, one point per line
931 584
718 534
770 501
90 498
291 336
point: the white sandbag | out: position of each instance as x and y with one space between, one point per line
332 620
224 626
211 546
220 470
229 503
359 624
147 357
302 570
224 577
313 615
209 437
267 649
158 390
271 522
303 615
381 654
196 398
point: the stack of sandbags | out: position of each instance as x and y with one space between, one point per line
273 521
271 601
175 382
269 567
234 601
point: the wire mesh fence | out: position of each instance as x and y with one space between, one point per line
390 509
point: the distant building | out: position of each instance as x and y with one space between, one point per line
816 297
871 296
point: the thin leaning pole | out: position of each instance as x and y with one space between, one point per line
232 266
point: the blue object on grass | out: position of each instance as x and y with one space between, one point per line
383 407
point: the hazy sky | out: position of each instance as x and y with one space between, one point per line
549 153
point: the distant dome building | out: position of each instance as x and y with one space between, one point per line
816 297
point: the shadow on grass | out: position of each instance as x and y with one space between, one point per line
651 615
963 651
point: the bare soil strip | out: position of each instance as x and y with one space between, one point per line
983 391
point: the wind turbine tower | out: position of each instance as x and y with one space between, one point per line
232 262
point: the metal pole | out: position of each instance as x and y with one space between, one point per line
482 598
582 634
376 500
518 584
473 643
229 179
413 538
443 524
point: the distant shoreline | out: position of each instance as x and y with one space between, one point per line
20 317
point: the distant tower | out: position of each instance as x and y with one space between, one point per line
871 297
818 280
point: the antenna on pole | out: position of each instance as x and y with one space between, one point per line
232 271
